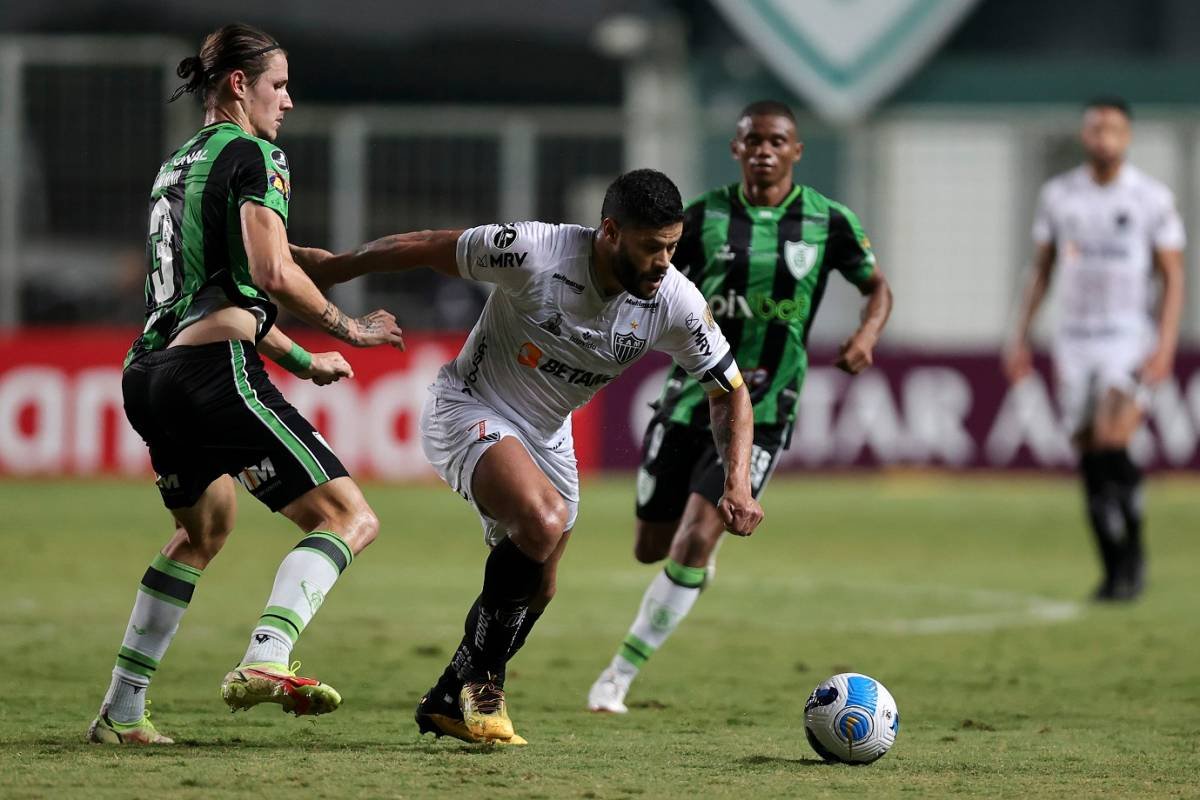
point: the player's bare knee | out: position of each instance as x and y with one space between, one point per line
693 545
540 527
362 530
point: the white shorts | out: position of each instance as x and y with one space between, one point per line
1086 368
457 429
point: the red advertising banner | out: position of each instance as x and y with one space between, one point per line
61 411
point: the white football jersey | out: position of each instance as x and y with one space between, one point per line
1105 237
546 341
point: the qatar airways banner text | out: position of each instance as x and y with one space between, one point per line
61 412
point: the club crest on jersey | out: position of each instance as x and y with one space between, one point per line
800 258
628 346
280 161
504 237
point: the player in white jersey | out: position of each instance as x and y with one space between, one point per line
1105 230
572 308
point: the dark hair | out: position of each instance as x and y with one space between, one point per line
767 108
643 198
1110 101
232 47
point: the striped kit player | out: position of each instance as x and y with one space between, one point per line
761 252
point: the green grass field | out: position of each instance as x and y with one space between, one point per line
963 596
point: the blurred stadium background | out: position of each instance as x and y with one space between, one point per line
936 120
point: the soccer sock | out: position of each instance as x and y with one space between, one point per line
667 601
449 682
162 597
305 576
510 579
1127 478
1104 510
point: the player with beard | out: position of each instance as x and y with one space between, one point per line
1108 230
573 307
761 252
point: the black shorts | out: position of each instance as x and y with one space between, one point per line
678 460
210 410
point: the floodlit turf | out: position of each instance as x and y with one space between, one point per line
960 595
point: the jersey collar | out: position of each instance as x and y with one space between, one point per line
768 212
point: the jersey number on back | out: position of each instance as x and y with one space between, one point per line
164 282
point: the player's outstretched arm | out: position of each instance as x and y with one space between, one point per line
320 368
733 431
1169 266
857 352
402 251
274 271
1018 359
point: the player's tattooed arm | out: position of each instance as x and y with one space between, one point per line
437 250
857 352
365 331
733 433
274 271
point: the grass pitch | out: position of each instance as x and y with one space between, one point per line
962 596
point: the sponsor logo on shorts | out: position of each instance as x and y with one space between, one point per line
504 237
483 435
256 475
577 288
167 481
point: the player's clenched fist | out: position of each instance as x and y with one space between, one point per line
740 512
327 368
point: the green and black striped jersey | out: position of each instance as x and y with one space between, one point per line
196 261
763 271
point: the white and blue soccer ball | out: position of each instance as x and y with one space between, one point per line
851 718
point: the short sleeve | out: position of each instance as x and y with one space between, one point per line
848 250
1167 232
1043 220
695 341
261 174
507 254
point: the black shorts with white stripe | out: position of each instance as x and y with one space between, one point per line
210 410
678 460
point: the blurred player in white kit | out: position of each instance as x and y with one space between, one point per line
1105 230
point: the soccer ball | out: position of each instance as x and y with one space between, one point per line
851 718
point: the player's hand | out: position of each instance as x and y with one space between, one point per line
327 368
740 512
1018 361
1158 367
856 355
378 327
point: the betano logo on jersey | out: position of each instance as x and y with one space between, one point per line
532 356
732 305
